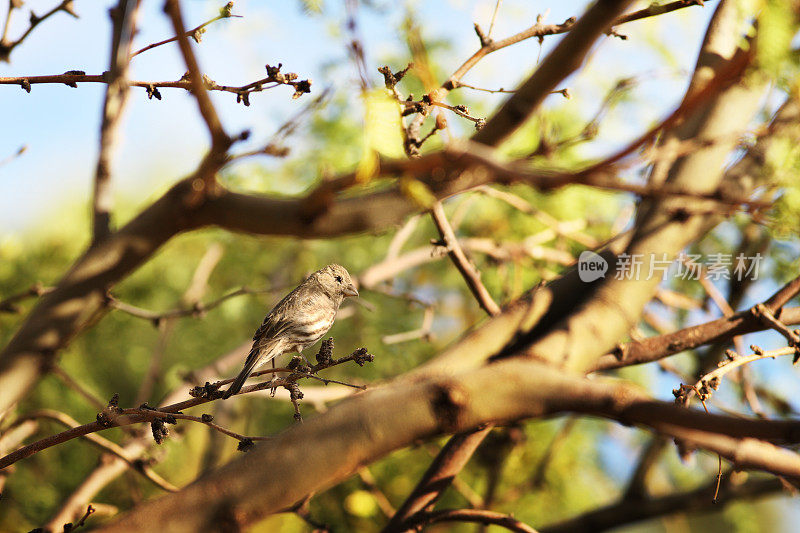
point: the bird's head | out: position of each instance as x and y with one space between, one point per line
336 280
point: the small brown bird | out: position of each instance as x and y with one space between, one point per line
299 320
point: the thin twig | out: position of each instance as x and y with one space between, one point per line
104 444
469 515
191 297
73 77
196 309
195 33
792 336
21 150
113 416
9 305
494 16
7 46
468 271
89 511
70 382
711 381
538 30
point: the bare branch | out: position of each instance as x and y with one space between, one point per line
452 458
9 305
629 511
467 269
195 33
106 445
72 78
191 296
565 58
197 309
124 26
477 516
219 139
654 348
7 45
114 416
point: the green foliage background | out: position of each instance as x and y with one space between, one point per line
587 470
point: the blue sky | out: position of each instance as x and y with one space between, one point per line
163 140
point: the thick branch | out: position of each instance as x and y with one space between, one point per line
654 348
450 460
370 425
582 336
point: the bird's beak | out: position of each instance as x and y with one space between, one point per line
351 291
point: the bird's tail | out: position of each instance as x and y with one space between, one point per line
257 356
238 383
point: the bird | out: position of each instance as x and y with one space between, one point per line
298 321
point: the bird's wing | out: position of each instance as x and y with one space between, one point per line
276 321
283 318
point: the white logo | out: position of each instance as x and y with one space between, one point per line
591 266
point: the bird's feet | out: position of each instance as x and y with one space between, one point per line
273 386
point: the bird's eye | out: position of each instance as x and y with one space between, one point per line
338 279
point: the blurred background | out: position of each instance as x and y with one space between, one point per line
625 87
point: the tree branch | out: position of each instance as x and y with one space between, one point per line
7 45
105 445
113 416
565 58
477 516
450 460
194 33
577 341
370 425
219 139
654 348
459 258
628 511
124 26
